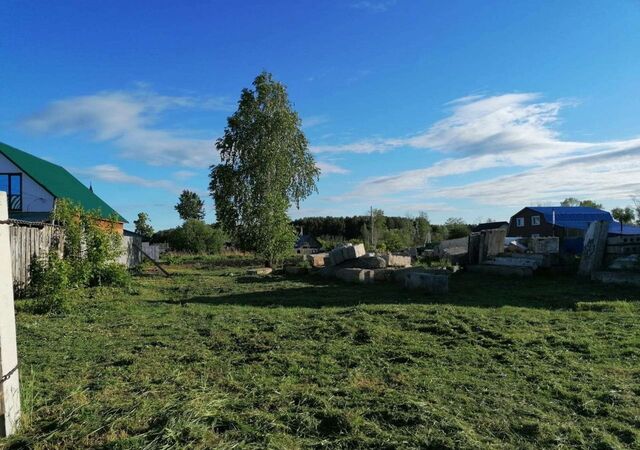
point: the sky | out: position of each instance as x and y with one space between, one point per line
456 108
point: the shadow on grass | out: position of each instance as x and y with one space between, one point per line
547 292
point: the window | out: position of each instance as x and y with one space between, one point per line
535 220
535 235
11 183
519 221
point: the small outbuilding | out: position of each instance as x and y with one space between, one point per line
307 245
490 226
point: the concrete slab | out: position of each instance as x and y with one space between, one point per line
427 282
384 275
351 275
628 278
595 243
353 251
367 262
397 260
316 260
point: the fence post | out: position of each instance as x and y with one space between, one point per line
9 380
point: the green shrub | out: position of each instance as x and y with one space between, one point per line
49 284
88 253
111 274
195 236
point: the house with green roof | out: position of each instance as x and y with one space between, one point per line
33 185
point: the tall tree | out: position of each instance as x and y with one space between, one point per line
190 206
266 167
456 228
143 227
623 215
572 201
422 229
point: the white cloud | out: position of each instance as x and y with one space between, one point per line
327 168
515 131
128 119
612 174
113 174
511 123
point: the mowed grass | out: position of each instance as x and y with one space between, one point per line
212 358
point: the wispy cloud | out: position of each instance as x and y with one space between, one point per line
511 123
610 174
515 131
376 6
184 174
113 174
328 168
129 120
314 121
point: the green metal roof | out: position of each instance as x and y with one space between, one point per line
58 181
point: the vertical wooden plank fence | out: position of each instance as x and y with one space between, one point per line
29 241
9 377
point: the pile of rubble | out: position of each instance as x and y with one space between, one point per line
351 263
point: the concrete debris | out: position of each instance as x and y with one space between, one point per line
628 278
345 253
355 275
428 282
399 275
397 260
368 262
514 246
383 275
595 243
629 262
544 245
316 260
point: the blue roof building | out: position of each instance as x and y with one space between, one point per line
566 222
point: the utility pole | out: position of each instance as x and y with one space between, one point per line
373 231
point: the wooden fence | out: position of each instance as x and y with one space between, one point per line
30 241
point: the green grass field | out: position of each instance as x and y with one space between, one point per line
212 358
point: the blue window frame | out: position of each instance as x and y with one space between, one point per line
11 183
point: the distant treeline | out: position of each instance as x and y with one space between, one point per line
390 232
350 228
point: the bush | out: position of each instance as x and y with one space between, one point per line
49 284
195 236
111 274
90 247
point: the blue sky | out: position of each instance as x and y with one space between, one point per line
457 108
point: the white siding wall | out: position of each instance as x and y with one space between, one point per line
34 197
